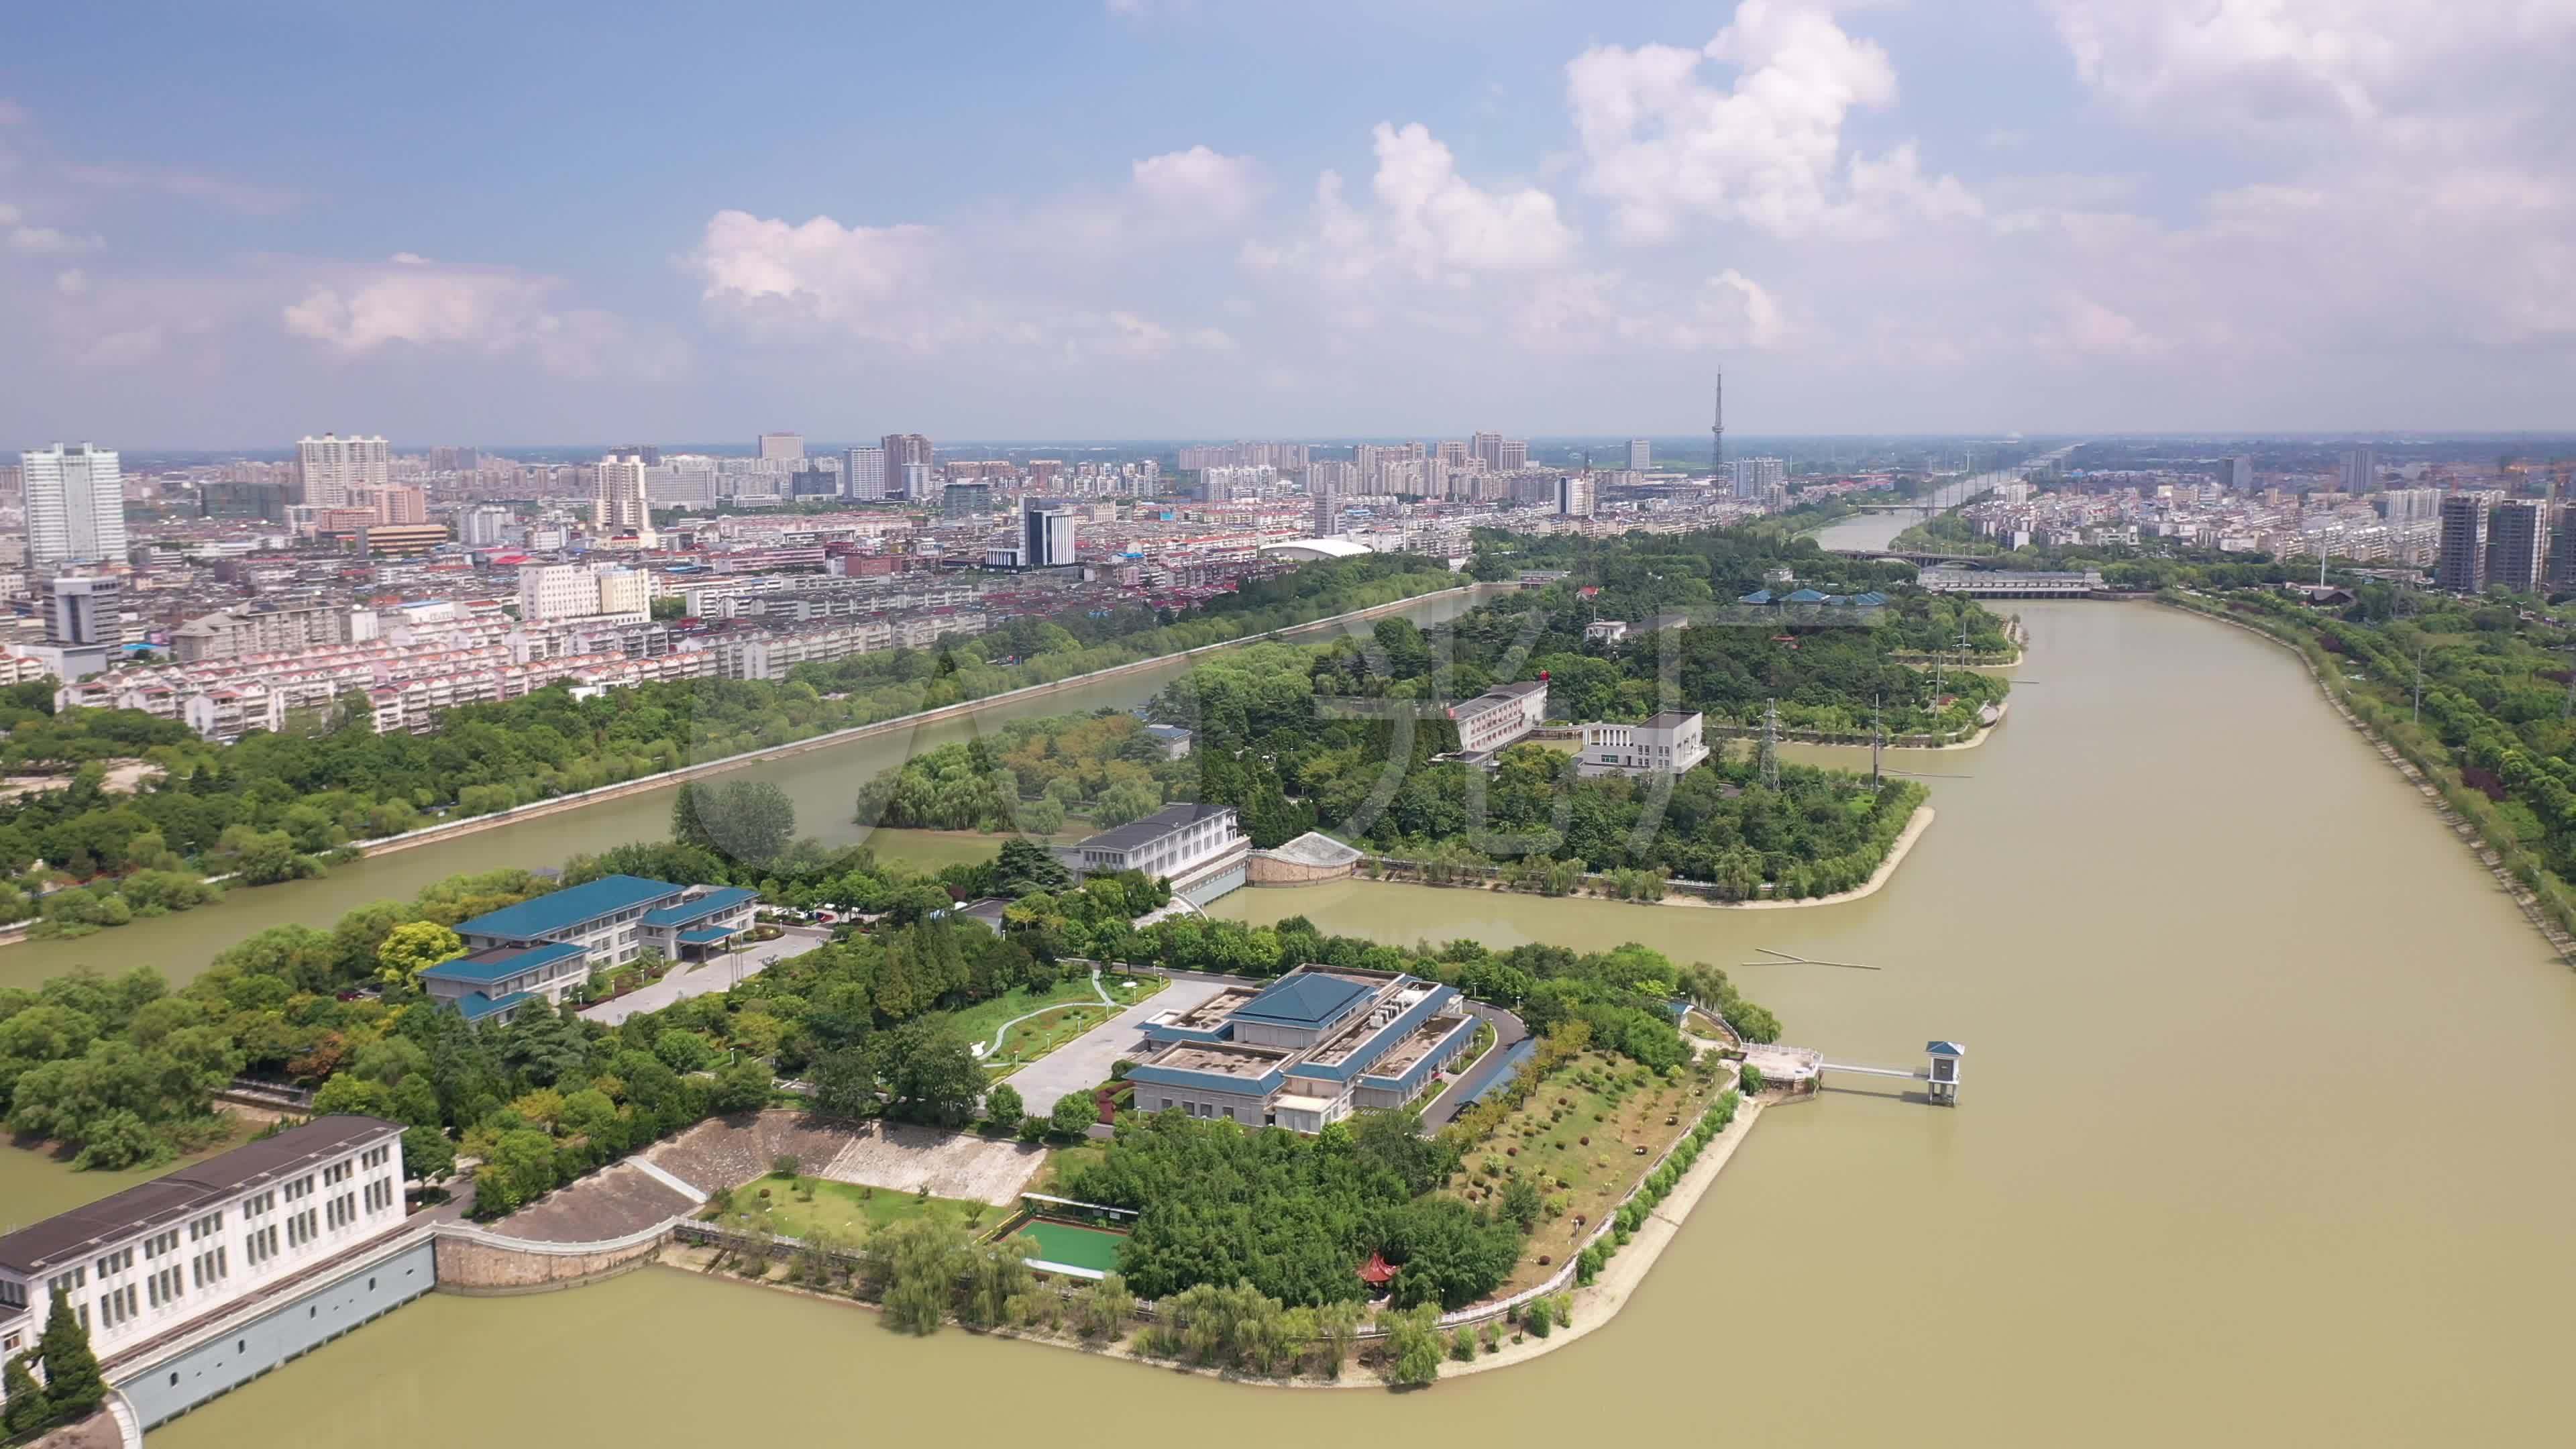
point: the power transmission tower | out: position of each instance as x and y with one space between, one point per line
1771 744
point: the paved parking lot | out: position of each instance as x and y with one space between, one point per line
725 971
1084 1062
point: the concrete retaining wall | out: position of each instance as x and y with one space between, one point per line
1266 869
486 1267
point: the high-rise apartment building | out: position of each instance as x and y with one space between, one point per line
2240 473
2460 564
1046 534
2401 506
2562 545
2361 471
1573 496
782 447
1512 455
863 473
1453 452
1328 512
904 452
1641 455
481 525
75 500
624 504
2517 545
331 465
1487 448
1756 477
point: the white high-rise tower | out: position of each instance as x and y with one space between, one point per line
334 466
75 505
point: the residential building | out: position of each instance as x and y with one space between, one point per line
264 627
1327 522
1641 455
1304 1051
1047 534
2517 545
1200 849
1667 743
1574 496
483 525
1511 456
2361 471
782 447
142 1263
863 473
1754 478
2240 473
75 499
550 592
625 504
331 465
1499 716
905 452
2460 562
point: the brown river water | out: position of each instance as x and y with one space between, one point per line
2265 1137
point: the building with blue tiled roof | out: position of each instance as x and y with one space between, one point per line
547 945
1305 1050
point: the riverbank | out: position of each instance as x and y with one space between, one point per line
452 831
1595 1305
1897 850
2533 909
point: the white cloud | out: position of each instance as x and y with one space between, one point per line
1660 145
1198 185
49 241
412 302
1428 223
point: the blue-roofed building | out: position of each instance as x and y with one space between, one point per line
548 944
1306 1050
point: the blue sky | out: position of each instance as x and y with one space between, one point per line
229 225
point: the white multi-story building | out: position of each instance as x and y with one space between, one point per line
143 1262
582 591
1641 455
1668 743
1499 716
75 499
482 525
1574 496
1756 477
625 504
863 473
1200 849
783 447
331 465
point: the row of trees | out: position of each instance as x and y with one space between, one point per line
273 807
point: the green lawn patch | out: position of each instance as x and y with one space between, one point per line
977 1023
847 1209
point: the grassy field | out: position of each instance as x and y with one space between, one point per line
1577 1139
933 850
848 1210
1063 1160
977 1023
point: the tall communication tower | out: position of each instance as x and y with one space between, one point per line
1717 433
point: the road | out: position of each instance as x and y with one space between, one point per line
1508 1029
724 971
1084 1062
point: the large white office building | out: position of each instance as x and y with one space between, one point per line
1499 716
1200 849
583 591
332 465
75 505
165 1253
863 473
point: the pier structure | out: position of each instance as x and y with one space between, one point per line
1801 1069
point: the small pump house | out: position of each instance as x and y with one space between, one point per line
1943 1074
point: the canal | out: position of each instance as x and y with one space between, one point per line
2264 1139
824 783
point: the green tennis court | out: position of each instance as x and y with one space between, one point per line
1073 1245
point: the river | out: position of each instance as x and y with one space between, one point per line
824 783
2263 1139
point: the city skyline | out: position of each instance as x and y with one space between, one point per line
1569 221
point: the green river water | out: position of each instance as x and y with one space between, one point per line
2265 1138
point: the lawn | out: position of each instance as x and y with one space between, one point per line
848 1210
933 850
1594 1097
1065 1159
977 1023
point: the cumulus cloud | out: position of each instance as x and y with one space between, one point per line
1427 222
412 302
1661 144
1198 185
922 289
